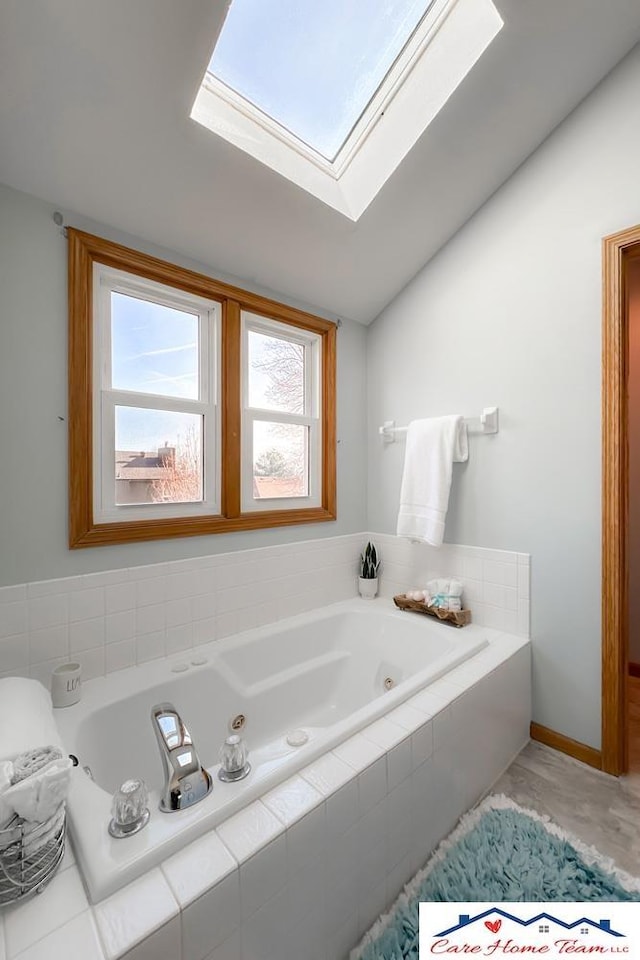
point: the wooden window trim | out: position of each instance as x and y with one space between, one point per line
85 250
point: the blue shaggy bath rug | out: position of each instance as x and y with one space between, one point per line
498 852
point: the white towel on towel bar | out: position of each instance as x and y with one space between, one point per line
432 447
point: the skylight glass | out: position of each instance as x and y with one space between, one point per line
313 65
333 94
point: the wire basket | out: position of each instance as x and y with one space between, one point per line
30 854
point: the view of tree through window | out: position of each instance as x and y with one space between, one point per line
277 373
272 463
182 477
277 383
158 456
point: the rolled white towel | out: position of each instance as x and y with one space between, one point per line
10 833
439 585
455 594
446 593
6 774
38 797
37 835
30 835
32 761
437 590
27 717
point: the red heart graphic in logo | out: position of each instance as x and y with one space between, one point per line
493 926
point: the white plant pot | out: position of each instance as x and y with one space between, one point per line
367 588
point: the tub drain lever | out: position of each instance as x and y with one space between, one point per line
233 760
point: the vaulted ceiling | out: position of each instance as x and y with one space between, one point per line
95 97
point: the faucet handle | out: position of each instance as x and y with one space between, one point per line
129 810
233 759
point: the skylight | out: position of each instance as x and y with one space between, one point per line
332 94
313 66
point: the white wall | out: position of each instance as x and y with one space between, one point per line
509 313
33 399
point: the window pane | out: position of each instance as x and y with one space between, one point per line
313 67
280 460
154 349
276 373
158 456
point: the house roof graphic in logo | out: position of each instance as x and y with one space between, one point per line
464 920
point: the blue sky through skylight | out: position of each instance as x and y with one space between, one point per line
313 65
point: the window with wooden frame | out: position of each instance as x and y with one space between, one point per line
194 407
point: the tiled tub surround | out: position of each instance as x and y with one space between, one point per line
322 672
496 582
302 872
113 620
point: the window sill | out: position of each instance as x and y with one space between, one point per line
102 534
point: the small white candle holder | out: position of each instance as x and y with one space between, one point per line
66 684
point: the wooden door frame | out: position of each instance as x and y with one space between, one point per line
618 249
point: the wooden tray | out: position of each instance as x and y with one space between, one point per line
458 618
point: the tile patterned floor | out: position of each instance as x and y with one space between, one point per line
601 810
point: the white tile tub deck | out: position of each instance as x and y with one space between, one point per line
302 872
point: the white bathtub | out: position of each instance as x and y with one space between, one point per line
323 672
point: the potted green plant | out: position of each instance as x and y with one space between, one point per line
369 566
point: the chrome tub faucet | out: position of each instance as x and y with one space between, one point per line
185 779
